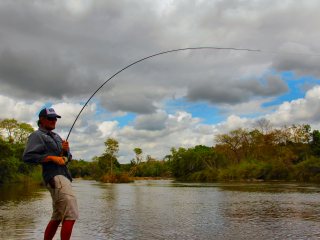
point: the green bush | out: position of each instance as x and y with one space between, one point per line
229 173
250 170
8 169
246 170
279 170
118 177
153 169
79 168
308 170
208 175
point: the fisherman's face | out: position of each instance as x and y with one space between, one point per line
49 123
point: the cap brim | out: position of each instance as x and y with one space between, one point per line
54 115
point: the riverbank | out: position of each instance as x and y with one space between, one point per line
152 178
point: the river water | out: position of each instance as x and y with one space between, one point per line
163 209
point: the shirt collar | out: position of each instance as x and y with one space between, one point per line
46 131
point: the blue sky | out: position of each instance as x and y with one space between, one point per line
297 87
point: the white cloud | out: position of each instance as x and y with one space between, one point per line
180 129
69 111
253 106
107 128
78 7
61 52
233 122
304 110
18 109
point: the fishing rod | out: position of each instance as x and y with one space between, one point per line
151 56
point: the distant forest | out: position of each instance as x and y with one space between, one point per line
289 153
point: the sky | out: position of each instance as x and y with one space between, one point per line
57 53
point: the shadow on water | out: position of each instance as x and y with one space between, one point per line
271 187
20 192
22 211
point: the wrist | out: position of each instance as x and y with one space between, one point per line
46 159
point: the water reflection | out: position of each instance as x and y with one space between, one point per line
168 210
21 210
275 187
20 192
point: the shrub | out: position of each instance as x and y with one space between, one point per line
120 177
308 170
208 175
278 170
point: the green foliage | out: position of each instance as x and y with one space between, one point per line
279 170
12 168
12 143
315 143
112 146
110 155
249 170
207 175
126 167
153 168
106 162
101 166
138 152
8 169
265 154
79 168
185 162
15 132
117 177
309 170
288 153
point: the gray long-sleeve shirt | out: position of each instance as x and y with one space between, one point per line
43 143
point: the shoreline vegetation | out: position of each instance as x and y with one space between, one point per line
262 154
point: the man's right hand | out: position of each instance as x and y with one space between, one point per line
55 159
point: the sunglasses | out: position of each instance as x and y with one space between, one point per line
51 118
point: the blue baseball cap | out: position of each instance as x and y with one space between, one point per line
48 112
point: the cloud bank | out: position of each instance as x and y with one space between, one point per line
59 53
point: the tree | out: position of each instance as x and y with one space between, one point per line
112 148
301 133
8 164
8 128
315 143
234 143
185 162
138 152
22 132
263 125
14 131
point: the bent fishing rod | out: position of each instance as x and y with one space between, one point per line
151 56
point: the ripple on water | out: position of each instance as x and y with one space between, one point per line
167 210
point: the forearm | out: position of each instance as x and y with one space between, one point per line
56 160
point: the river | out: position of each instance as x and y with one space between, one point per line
163 209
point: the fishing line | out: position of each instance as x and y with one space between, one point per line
151 56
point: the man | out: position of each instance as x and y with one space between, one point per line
48 149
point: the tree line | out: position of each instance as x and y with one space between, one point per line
106 167
263 153
287 153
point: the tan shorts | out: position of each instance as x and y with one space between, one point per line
64 202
